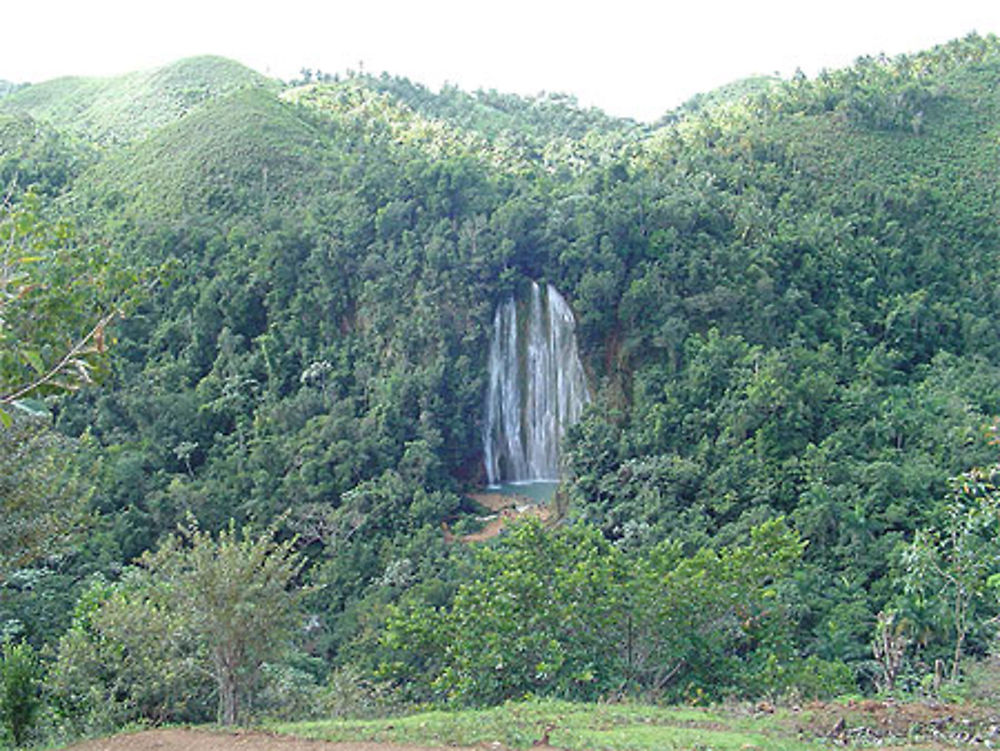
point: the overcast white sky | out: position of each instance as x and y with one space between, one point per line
637 58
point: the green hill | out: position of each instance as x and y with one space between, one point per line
120 109
7 88
235 150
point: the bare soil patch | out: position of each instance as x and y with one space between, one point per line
181 739
505 509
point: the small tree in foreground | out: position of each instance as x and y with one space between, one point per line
201 609
238 593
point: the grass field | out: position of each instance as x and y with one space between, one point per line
635 727
570 726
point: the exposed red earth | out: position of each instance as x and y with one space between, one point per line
180 739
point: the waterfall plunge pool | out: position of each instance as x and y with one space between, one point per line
537 388
535 491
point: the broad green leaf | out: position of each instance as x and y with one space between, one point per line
34 360
34 407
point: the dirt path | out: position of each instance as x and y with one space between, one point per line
178 739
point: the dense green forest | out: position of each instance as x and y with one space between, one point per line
785 292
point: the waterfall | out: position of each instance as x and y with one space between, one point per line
537 387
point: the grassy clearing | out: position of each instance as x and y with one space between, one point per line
630 727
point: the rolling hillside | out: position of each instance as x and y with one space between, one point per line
120 109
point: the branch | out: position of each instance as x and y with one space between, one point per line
5 206
76 350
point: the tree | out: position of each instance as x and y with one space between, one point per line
238 593
714 623
889 647
57 302
42 496
542 614
20 697
566 613
129 655
201 609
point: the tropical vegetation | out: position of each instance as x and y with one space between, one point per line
244 328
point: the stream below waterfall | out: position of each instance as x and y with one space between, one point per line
539 491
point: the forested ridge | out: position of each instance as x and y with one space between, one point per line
786 295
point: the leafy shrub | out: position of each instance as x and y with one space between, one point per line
809 678
20 697
566 614
288 692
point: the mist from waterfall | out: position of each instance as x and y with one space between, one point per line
537 388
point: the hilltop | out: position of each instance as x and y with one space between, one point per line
236 150
6 88
123 108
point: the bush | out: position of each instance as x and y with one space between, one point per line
980 682
20 698
810 678
288 692
126 658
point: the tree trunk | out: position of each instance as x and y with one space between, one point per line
226 679
961 608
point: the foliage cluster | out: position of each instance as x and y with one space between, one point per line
20 695
564 613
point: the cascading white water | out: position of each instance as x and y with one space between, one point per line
537 388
